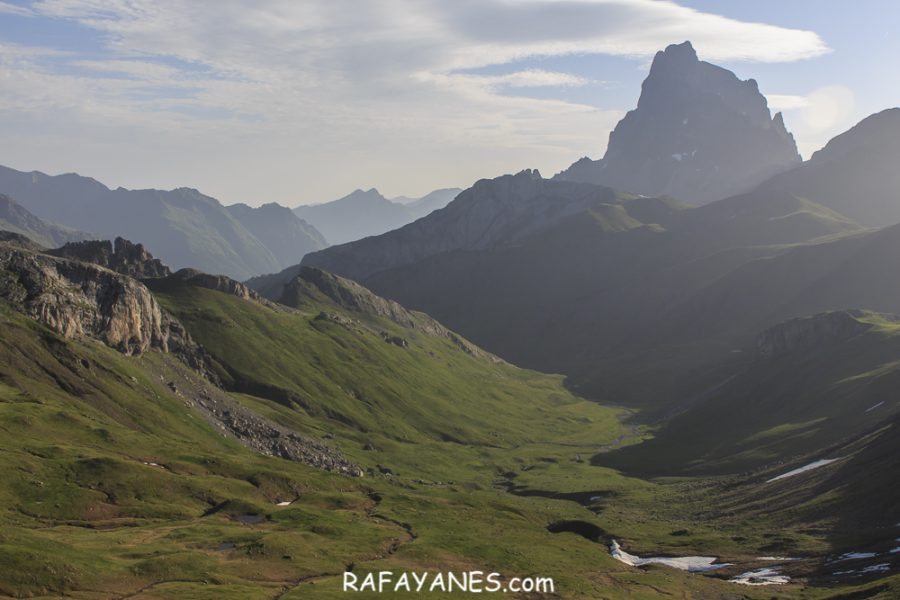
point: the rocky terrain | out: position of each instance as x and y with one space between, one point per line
78 299
698 134
120 256
220 283
253 430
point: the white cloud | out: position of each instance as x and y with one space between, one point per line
254 98
786 101
818 116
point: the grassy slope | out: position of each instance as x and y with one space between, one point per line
781 408
82 512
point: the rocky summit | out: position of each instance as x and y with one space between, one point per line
121 256
698 133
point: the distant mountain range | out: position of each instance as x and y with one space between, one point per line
630 294
366 213
698 134
15 218
182 226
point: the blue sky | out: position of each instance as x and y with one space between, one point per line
298 102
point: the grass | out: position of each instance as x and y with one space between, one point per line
84 514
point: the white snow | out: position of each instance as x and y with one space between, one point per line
879 568
874 406
595 498
778 558
692 564
285 503
854 556
895 550
804 469
764 576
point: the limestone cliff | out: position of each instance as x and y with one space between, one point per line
82 300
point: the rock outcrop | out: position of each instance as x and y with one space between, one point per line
808 333
82 300
221 283
121 256
698 133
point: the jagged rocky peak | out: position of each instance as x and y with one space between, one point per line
120 255
808 333
699 133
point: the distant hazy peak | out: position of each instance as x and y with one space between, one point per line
879 129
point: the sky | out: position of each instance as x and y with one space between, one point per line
304 101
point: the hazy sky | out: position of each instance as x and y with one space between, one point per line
300 101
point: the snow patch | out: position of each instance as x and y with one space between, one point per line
879 568
854 556
764 576
691 564
777 558
285 503
804 469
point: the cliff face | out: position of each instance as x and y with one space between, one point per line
78 299
808 333
121 256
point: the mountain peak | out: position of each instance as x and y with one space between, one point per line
699 133
674 58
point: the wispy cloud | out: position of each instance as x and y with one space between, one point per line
305 86
14 9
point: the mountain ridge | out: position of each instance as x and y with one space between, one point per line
182 226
